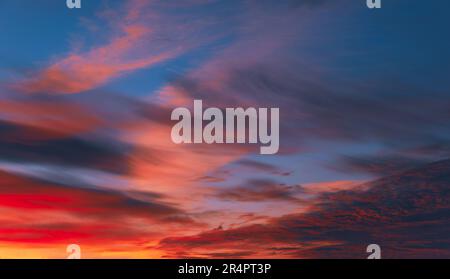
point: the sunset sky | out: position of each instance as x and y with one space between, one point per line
86 155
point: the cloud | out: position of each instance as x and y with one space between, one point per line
377 165
261 190
132 45
18 144
437 148
38 194
101 168
262 167
48 118
406 214
385 112
41 212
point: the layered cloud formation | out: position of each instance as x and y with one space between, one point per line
86 155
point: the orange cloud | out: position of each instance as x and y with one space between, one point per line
332 186
106 223
129 49
53 119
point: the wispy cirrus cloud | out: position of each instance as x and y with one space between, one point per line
132 45
47 118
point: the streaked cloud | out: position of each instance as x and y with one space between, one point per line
404 213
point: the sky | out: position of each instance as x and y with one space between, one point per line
86 155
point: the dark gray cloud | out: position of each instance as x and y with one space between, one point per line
18 144
87 202
257 190
376 165
262 167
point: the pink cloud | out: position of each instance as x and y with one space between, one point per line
123 53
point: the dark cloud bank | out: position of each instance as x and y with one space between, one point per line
407 214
